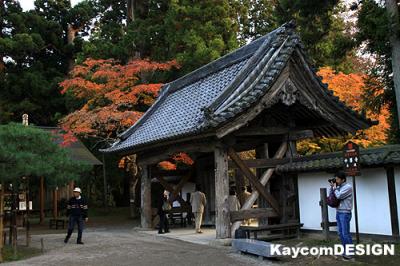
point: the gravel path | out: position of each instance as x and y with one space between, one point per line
129 247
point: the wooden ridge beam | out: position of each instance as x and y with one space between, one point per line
164 153
293 134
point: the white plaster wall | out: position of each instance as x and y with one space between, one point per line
372 198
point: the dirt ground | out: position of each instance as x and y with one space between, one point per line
113 240
129 247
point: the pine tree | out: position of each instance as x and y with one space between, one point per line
38 54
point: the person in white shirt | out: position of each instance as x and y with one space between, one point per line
198 201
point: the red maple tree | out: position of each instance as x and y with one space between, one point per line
114 97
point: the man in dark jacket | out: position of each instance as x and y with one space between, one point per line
77 211
162 213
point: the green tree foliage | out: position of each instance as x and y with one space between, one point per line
193 32
29 151
255 18
321 28
373 34
37 55
200 31
197 32
108 32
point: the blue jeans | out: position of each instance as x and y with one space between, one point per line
71 224
343 225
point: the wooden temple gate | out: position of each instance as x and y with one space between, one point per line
263 97
281 203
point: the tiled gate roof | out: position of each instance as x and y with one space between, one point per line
215 93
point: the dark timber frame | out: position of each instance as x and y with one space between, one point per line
264 94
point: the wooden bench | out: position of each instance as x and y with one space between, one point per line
256 247
274 227
176 215
56 223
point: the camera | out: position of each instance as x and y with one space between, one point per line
332 180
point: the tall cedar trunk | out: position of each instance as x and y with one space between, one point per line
136 8
133 186
71 34
130 16
394 28
132 192
2 11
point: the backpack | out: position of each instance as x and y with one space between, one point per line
331 200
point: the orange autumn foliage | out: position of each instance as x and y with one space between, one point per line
115 96
167 165
182 158
350 89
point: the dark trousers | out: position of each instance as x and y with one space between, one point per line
163 222
71 224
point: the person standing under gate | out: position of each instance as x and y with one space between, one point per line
198 202
163 207
233 202
246 195
77 210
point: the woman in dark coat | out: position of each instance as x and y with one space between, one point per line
163 216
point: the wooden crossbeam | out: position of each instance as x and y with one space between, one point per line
261 163
269 131
253 180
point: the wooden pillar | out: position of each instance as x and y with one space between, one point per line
262 152
55 201
28 235
222 219
394 218
41 199
324 213
145 216
105 192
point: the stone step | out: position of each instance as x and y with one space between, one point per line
253 246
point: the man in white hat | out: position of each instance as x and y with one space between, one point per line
77 211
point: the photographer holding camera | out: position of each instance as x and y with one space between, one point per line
344 193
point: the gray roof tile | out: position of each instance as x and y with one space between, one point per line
389 154
181 111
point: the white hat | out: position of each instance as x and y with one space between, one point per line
77 190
